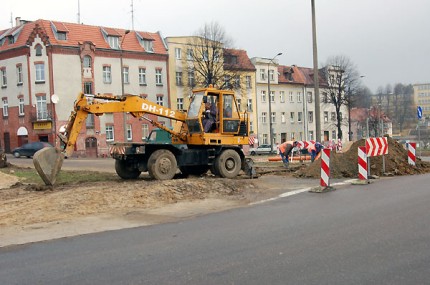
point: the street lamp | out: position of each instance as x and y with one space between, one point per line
270 100
122 85
316 77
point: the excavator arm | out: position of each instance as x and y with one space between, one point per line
46 162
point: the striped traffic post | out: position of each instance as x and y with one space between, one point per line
411 153
325 168
362 163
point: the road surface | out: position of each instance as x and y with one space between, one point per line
368 234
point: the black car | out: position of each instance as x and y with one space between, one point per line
29 149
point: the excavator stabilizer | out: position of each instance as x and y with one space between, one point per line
48 162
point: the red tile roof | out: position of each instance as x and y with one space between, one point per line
285 72
243 62
78 33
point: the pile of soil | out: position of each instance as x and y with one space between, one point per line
345 165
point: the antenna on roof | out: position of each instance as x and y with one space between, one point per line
79 12
132 16
11 21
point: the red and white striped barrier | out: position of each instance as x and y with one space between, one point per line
305 144
325 168
376 146
411 153
362 163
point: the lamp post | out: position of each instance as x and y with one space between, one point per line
316 77
122 85
270 101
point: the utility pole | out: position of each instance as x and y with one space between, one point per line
122 85
270 100
316 77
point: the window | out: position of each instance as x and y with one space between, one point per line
239 103
310 116
125 75
273 117
271 75
333 116
292 135
40 72
145 131
325 97
180 103
309 97
299 117
333 135
262 74
299 97
190 54
62 36
148 46
3 77
282 96
272 96
178 78
248 81
237 81
325 117
21 107
160 100
178 53
109 133
263 96
88 88
191 79
227 81
142 76
283 119
89 122
129 133
292 117
113 42
38 49
265 141
158 78
5 108
251 127
87 61
41 108
19 78
263 117
249 105
107 77
291 98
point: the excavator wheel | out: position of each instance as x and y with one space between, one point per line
228 164
162 165
125 170
194 169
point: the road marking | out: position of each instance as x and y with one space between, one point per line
295 192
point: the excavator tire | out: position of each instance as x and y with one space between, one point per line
124 169
228 164
194 169
162 165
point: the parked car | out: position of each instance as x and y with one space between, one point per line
262 149
29 149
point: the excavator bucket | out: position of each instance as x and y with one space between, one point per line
48 162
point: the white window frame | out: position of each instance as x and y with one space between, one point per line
310 117
272 75
309 97
325 116
145 131
299 97
159 100
3 77
158 77
265 139
110 132
249 105
299 117
21 110
40 72
5 108
273 117
178 53
19 78
263 96
180 103
113 42
107 74
125 74
248 82
41 107
178 78
142 76
272 96
190 54
291 117
282 96
87 61
262 74
283 119
263 117
291 96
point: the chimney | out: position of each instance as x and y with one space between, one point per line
17 21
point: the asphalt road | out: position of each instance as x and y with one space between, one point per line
369 234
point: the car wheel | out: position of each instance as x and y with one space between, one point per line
16 154
253 153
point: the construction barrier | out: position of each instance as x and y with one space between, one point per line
325 168
298 158
411 153
362 163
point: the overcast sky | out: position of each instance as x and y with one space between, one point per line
388 40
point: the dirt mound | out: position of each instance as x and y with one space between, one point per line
345 165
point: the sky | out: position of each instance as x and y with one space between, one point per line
387 40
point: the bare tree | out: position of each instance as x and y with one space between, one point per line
403 104
343 85
363 98
205 59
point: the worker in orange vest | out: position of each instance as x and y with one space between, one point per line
314 149
285 150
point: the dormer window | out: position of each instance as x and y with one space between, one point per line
11 39
38 49
113 42
146 41
62 36
60 30
147 45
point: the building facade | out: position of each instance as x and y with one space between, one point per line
422 98
41 58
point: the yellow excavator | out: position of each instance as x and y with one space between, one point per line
199 141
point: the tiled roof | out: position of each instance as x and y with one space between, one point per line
243 62
290 74
308 74
78 33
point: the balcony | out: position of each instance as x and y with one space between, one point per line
40 116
